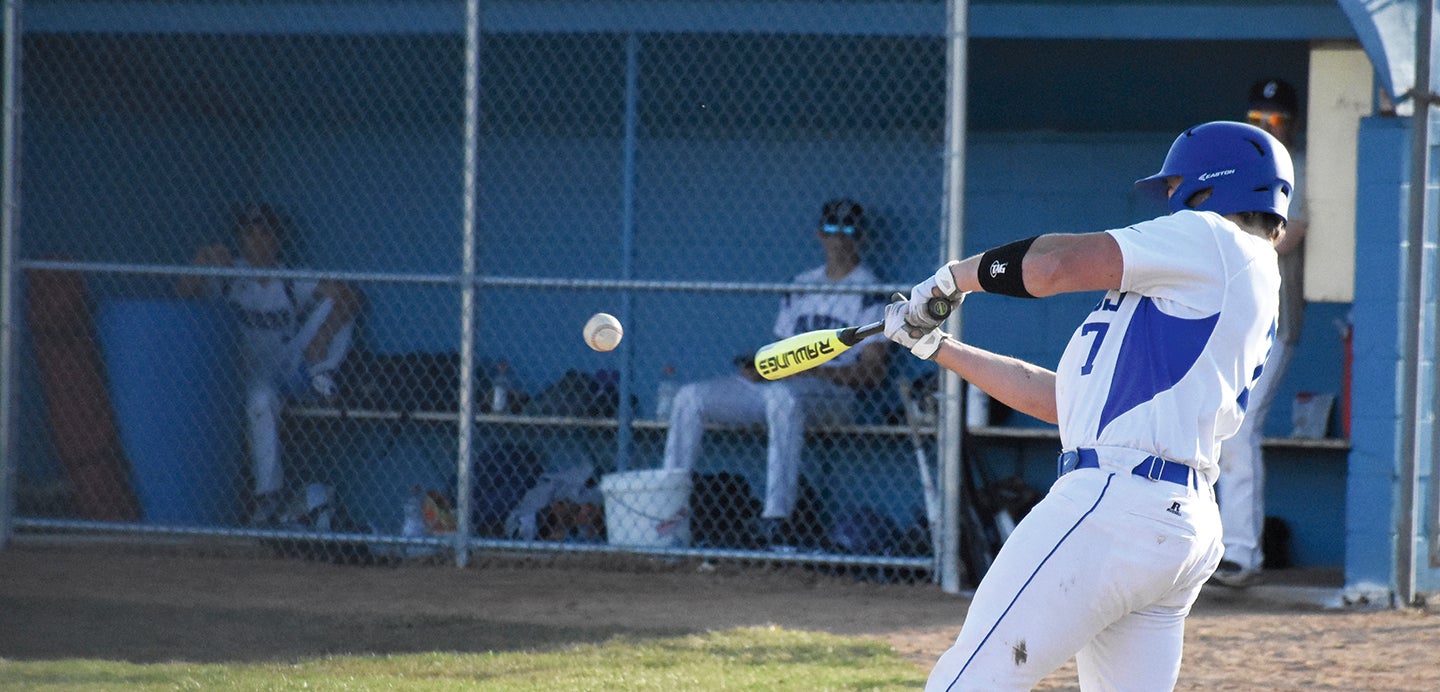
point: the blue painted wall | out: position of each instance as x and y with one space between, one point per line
1372 511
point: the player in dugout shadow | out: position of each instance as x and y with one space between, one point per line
1273 107
295 333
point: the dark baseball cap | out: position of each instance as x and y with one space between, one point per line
842 214
252 216
1275 95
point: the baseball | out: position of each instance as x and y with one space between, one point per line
603 332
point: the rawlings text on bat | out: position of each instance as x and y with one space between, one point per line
812 349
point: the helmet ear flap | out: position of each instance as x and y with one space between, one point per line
1198 197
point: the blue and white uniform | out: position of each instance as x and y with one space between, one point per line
278 319
1110 562
787 405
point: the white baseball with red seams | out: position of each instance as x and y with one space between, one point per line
603 332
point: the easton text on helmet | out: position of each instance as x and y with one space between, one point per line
1216 174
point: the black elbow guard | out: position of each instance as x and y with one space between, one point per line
1001 270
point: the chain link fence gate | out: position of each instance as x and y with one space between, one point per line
252 234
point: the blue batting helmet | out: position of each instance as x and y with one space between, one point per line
1244 167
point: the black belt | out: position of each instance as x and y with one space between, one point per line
1153 467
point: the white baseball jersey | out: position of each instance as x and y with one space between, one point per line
1165 365
270 313
802 312
278 319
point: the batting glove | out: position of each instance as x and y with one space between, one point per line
924 342
942 285
323 384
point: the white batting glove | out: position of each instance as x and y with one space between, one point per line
323 383
924 342
942 285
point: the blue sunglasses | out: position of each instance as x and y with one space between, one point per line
835 228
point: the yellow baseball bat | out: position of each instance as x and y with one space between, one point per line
803 352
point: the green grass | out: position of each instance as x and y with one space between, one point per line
740 659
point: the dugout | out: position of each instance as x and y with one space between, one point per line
659 160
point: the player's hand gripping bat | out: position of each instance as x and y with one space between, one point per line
812 349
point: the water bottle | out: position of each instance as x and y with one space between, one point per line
665 393
414 513
500 388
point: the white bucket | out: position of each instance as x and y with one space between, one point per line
648 509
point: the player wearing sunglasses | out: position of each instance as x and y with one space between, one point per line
824 395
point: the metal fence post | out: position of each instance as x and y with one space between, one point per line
10 211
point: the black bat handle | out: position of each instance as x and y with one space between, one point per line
939 308
854 335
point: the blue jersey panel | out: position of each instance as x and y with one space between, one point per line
1157 351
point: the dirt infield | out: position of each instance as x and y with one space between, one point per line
116 602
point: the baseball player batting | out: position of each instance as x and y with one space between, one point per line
1107 566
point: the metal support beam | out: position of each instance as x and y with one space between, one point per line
465 431
9 234
1414 318
949 438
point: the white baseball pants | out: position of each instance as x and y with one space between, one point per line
268 385
1241 485
1104 569
784 406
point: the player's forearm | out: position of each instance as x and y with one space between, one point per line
345 305
1027 388
320 345
190 286
1055 263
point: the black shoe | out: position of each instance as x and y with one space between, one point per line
268 510
1231 574
777 534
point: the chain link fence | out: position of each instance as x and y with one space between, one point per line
316 276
